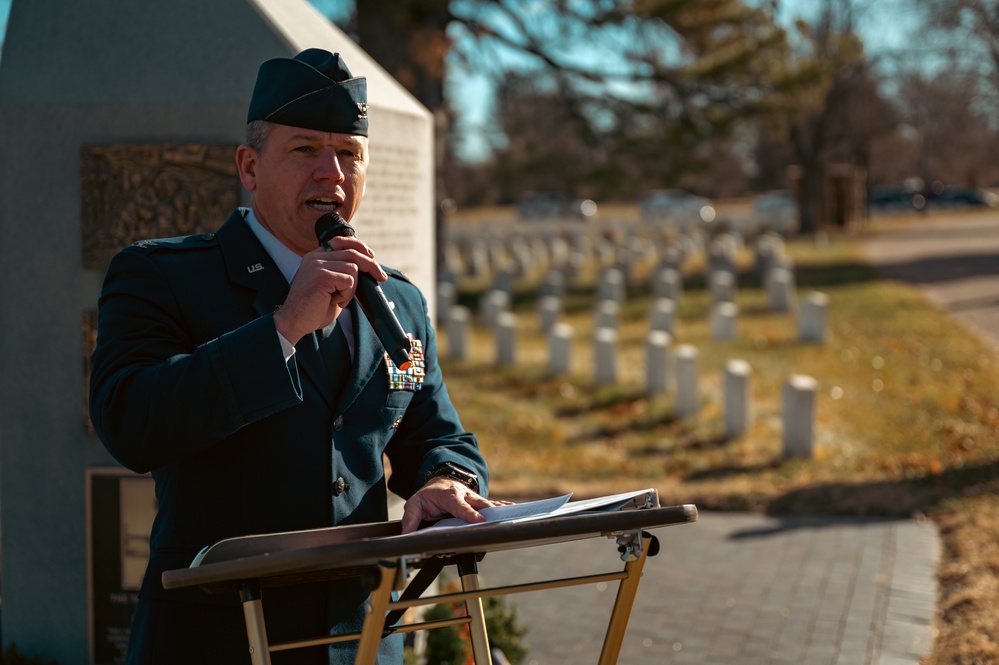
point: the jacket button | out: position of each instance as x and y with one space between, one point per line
207 236
340 486
338 424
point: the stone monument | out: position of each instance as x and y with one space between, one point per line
120 121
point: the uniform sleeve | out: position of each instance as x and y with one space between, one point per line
156 395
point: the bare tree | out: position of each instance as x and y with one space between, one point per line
953 141
653 77
834 51
970 31
960 87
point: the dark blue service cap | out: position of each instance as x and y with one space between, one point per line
313 90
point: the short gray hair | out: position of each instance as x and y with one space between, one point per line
256 134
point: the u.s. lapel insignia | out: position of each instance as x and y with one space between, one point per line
410 379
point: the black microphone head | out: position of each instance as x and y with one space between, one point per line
332 225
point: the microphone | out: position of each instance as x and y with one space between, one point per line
369 296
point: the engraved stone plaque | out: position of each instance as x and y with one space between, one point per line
396 214
140 191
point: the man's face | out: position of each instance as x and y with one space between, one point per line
300 175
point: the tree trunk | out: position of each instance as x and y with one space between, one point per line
409 39
811 211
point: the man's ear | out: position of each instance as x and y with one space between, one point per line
246 163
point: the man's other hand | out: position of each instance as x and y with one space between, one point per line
444 497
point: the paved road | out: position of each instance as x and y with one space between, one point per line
751 589
953 261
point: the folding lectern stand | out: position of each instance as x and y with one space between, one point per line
384 558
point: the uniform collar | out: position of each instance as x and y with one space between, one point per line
287 260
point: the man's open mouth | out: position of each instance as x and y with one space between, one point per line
323 204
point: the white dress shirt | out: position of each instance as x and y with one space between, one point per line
288 262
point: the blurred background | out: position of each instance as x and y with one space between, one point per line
797 113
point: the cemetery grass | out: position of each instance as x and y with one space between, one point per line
907 419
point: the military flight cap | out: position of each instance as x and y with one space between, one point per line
313 90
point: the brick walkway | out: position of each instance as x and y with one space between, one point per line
744 589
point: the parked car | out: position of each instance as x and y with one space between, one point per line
888 198
963 197
776 211
676 206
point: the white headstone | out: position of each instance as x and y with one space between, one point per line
724 321
813 317
673 257
477 258
549 311
722 285
721 254
506 339
781 289
491 305
447 297
459 323
799 416
607 314
560 349
612 285
667 283
657 362
663 315
558 249
737 398
553 284
687 392
605 356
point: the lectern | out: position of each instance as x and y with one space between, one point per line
386 559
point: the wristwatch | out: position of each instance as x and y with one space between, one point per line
455 472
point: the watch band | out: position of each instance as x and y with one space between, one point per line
455 472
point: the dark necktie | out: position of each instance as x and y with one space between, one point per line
336 357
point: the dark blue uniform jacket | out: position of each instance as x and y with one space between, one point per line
189 382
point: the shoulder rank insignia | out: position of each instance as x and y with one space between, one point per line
412 378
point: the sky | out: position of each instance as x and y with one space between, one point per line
887 26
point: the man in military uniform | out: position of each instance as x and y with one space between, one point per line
235 367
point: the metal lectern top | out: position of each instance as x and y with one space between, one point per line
383 556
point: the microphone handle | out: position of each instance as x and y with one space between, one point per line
373 302
370 297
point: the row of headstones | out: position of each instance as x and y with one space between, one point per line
667 285
667 289
798 395
812 326
531 250
666 281
723 316
508 259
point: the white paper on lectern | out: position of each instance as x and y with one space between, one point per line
536 510
532 510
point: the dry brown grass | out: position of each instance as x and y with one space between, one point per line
907 420
968 610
